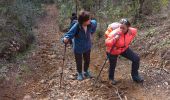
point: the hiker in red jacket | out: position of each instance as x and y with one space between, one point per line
120 40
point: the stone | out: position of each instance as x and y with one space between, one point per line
38 93
27 97
166 83
42 81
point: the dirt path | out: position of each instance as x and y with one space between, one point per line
44 63
73 89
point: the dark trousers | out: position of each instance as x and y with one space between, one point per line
78 58
129 54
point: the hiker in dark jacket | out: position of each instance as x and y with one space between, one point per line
73 20
81 33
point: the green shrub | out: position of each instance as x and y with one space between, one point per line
17 17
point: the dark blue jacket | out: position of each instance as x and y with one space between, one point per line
72 23
81 41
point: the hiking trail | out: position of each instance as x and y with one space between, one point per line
45 62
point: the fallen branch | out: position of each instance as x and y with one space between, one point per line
117 92
9 97
162 66
126 98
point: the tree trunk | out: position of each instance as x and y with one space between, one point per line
140 6
76 6
138 12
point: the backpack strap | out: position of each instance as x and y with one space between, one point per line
77 31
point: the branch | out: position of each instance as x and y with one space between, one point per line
117 92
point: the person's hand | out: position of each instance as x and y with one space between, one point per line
117 37
66 40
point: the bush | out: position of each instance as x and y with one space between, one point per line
17 17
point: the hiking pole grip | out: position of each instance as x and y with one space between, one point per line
61 74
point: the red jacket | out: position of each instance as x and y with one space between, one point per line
122 43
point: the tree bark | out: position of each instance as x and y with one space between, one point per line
138 12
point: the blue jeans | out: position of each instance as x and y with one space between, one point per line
129 54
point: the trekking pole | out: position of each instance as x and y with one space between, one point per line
61 74
104 63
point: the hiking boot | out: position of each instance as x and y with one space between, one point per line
80 76
113 82
137 79
87 74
